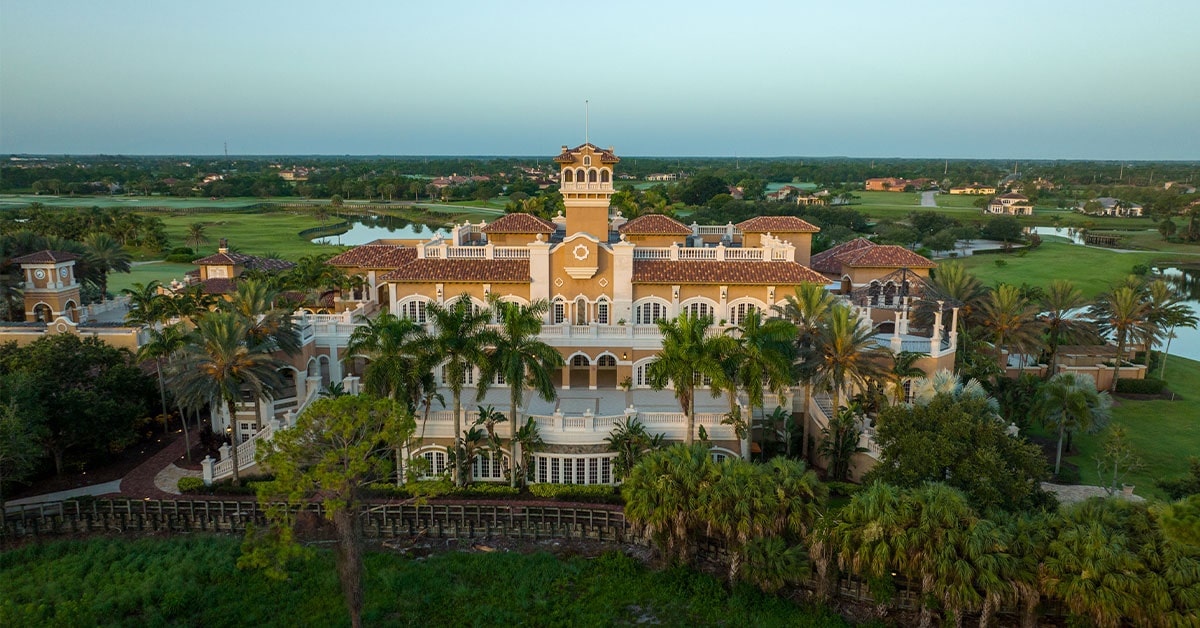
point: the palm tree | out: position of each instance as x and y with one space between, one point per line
688 354
1167 311
196 235
903 368
846 353
1062 307
146 305
941 521
662 496
461 341
1069 402
1009 318
1094 570
1123 313
267 323
807 310
396 348
106 255
189 303
523 361
956 287
163 345
222 360
762 357
630 441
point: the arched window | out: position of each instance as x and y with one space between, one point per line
489 466
587 160
606 360
889 293
641 378
739 312
558 313
650 312
580 360
604 175
414 310
436 461
592 175
568 176
698 308
602 312
580 175
581 311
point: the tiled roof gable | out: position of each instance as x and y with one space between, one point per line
45 257
505 271
520 223
379 256
889 256
777 224
654 224
828 261
707 272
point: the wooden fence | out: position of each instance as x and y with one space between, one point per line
440 520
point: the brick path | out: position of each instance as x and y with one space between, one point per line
139 483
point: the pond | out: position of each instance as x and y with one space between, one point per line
1076 237
1187 281
364 229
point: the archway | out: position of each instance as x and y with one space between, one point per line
579 366
42 313
606 371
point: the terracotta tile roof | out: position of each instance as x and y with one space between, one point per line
777 224
520 223
387 256
568 154
692 272
45 257
241 259
1014 195
220 285
655 224
192 273
508 271
828 261
889 256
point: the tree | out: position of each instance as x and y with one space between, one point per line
1166 311
1167 228
699 189
523 360
1069 402
337 449
105 255
336 201
839 443
196 235
630 441
903 368
955 287
962 442
846 353
1010 320
268 323
146 305
1123 313
1004 228
1062 308
760 357
1180 521
461 341
687 356
396 350
222 360
163 344
1116 459
18 447
662 496
807 308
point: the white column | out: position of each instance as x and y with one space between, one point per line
622 286
539 274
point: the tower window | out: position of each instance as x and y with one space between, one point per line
591 176
587 160
568 176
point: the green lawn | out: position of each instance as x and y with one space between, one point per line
145 273
252 233
192 581
1093 270
1164 433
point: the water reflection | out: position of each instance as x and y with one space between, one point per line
364 229
1187 281
1074 235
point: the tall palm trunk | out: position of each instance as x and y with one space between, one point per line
187 441
804 449
233 451
1162 371
1117 361
458 453
691 412
1062 428
514 448
162 393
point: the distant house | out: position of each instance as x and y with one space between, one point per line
294 174
662 176
1186 188
793 194
454 179
1011 204
974 188
736 192
886 184
1109 206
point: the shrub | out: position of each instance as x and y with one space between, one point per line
440 488
600 494
182 250
191 486
843 489
1067 475
180 258
1148 386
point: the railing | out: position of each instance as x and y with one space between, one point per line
651 253
245 455
698 254
739 255
719 253
586 187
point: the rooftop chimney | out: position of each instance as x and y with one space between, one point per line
223 246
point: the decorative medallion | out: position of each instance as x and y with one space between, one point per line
39 273
580 252
558 282
603 282
62 272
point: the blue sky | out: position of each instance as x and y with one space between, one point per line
1051 79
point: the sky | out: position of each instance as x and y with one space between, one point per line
1048 79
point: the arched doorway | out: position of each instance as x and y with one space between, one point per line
580 365
606 372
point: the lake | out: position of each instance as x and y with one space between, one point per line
364 229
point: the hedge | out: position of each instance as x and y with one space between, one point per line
1148 386
440 488
578 493
190 486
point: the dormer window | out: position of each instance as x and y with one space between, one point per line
587 160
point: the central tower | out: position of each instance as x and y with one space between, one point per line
586 183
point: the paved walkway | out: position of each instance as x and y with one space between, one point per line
928 199
1072 493
143 481
167 480
107 488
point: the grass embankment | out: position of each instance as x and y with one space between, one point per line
1164 433
1093 270
193 581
